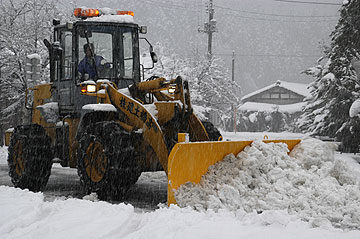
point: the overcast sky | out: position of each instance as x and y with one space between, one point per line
272 40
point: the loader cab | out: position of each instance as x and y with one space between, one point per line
115 42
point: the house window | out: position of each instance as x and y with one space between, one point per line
265 96
284 96
274 95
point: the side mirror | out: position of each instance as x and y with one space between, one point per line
56 22
57 50
54 49
154 57
143 29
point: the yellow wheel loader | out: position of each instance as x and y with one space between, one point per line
98 114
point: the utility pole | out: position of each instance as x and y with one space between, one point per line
233 80
233 67
210 26
235 112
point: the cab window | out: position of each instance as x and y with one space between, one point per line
128 54
67 56
102 44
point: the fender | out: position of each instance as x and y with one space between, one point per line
49 111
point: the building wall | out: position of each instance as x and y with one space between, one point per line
276 95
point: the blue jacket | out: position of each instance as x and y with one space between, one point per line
86 66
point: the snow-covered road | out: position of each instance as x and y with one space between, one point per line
146 194
60 212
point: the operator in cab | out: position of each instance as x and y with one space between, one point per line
91 63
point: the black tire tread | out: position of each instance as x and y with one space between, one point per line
37 156
213 132
121 173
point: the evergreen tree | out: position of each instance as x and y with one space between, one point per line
336 82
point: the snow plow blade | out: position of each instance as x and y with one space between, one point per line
188 162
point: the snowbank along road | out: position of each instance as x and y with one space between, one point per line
313 192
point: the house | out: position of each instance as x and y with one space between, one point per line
279 93
274 107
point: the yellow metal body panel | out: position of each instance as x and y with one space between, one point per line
188 162
151 85
41 93
7 137
182 137
140 118
197 130
138 115
166 111
73 126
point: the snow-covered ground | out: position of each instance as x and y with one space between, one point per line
28 215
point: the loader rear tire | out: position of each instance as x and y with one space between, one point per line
30 157
107 161
213 132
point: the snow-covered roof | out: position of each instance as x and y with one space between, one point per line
299 88
263 107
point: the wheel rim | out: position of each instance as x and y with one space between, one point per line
95 161
18 158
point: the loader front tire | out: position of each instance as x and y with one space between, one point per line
213 133
107 162
30 157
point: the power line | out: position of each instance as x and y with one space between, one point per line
271 55
170 6
306 2
280 20
269 14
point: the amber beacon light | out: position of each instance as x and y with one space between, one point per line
90 12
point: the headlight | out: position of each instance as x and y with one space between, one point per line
172 89
91 88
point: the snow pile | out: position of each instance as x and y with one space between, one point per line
27 215
159 176
3 155
308 183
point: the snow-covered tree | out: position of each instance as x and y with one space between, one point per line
336 83
24 25
213 89
213 93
